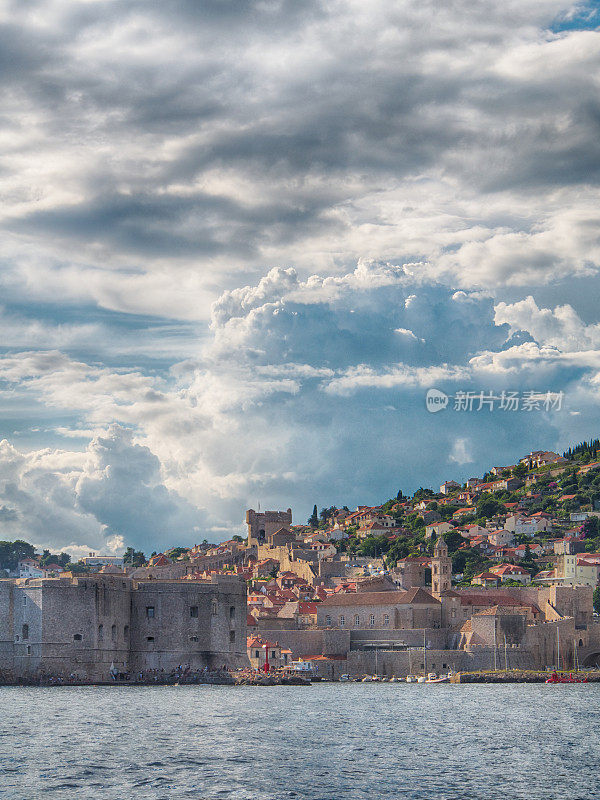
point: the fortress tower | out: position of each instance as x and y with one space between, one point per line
262 524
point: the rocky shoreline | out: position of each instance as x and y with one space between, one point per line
519 676
219 678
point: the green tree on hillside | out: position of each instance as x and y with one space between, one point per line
134 558
12 552
596 600
488 506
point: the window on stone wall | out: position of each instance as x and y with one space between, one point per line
342 620
386 619
24 599
77 637
25 632
372 620
126 631
113 633
194 611
214 607
100 632
150 612
231 612
232 636
28 650
193 638
149 638
356 619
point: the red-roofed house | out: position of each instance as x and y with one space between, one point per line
461 513
159 560
511 572
260 651
486 579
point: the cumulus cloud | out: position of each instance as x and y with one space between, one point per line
284 413
559 327
251 235
99 499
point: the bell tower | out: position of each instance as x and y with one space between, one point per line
441 569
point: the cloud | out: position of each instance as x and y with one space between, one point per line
251 235
154 153
362 376
460 453
279 404
107 496
559 327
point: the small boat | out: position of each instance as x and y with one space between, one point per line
433 678
421 679
556 678
411 679
344 678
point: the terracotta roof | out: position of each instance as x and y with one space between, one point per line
415 596
508 569
257 641
488 598
494 611
159 560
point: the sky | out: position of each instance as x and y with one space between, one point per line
241 240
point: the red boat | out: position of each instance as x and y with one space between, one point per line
556 678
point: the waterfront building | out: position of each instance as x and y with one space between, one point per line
89 624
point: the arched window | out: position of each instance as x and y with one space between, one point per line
580 642
126 631
113 633
231 612
100 632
